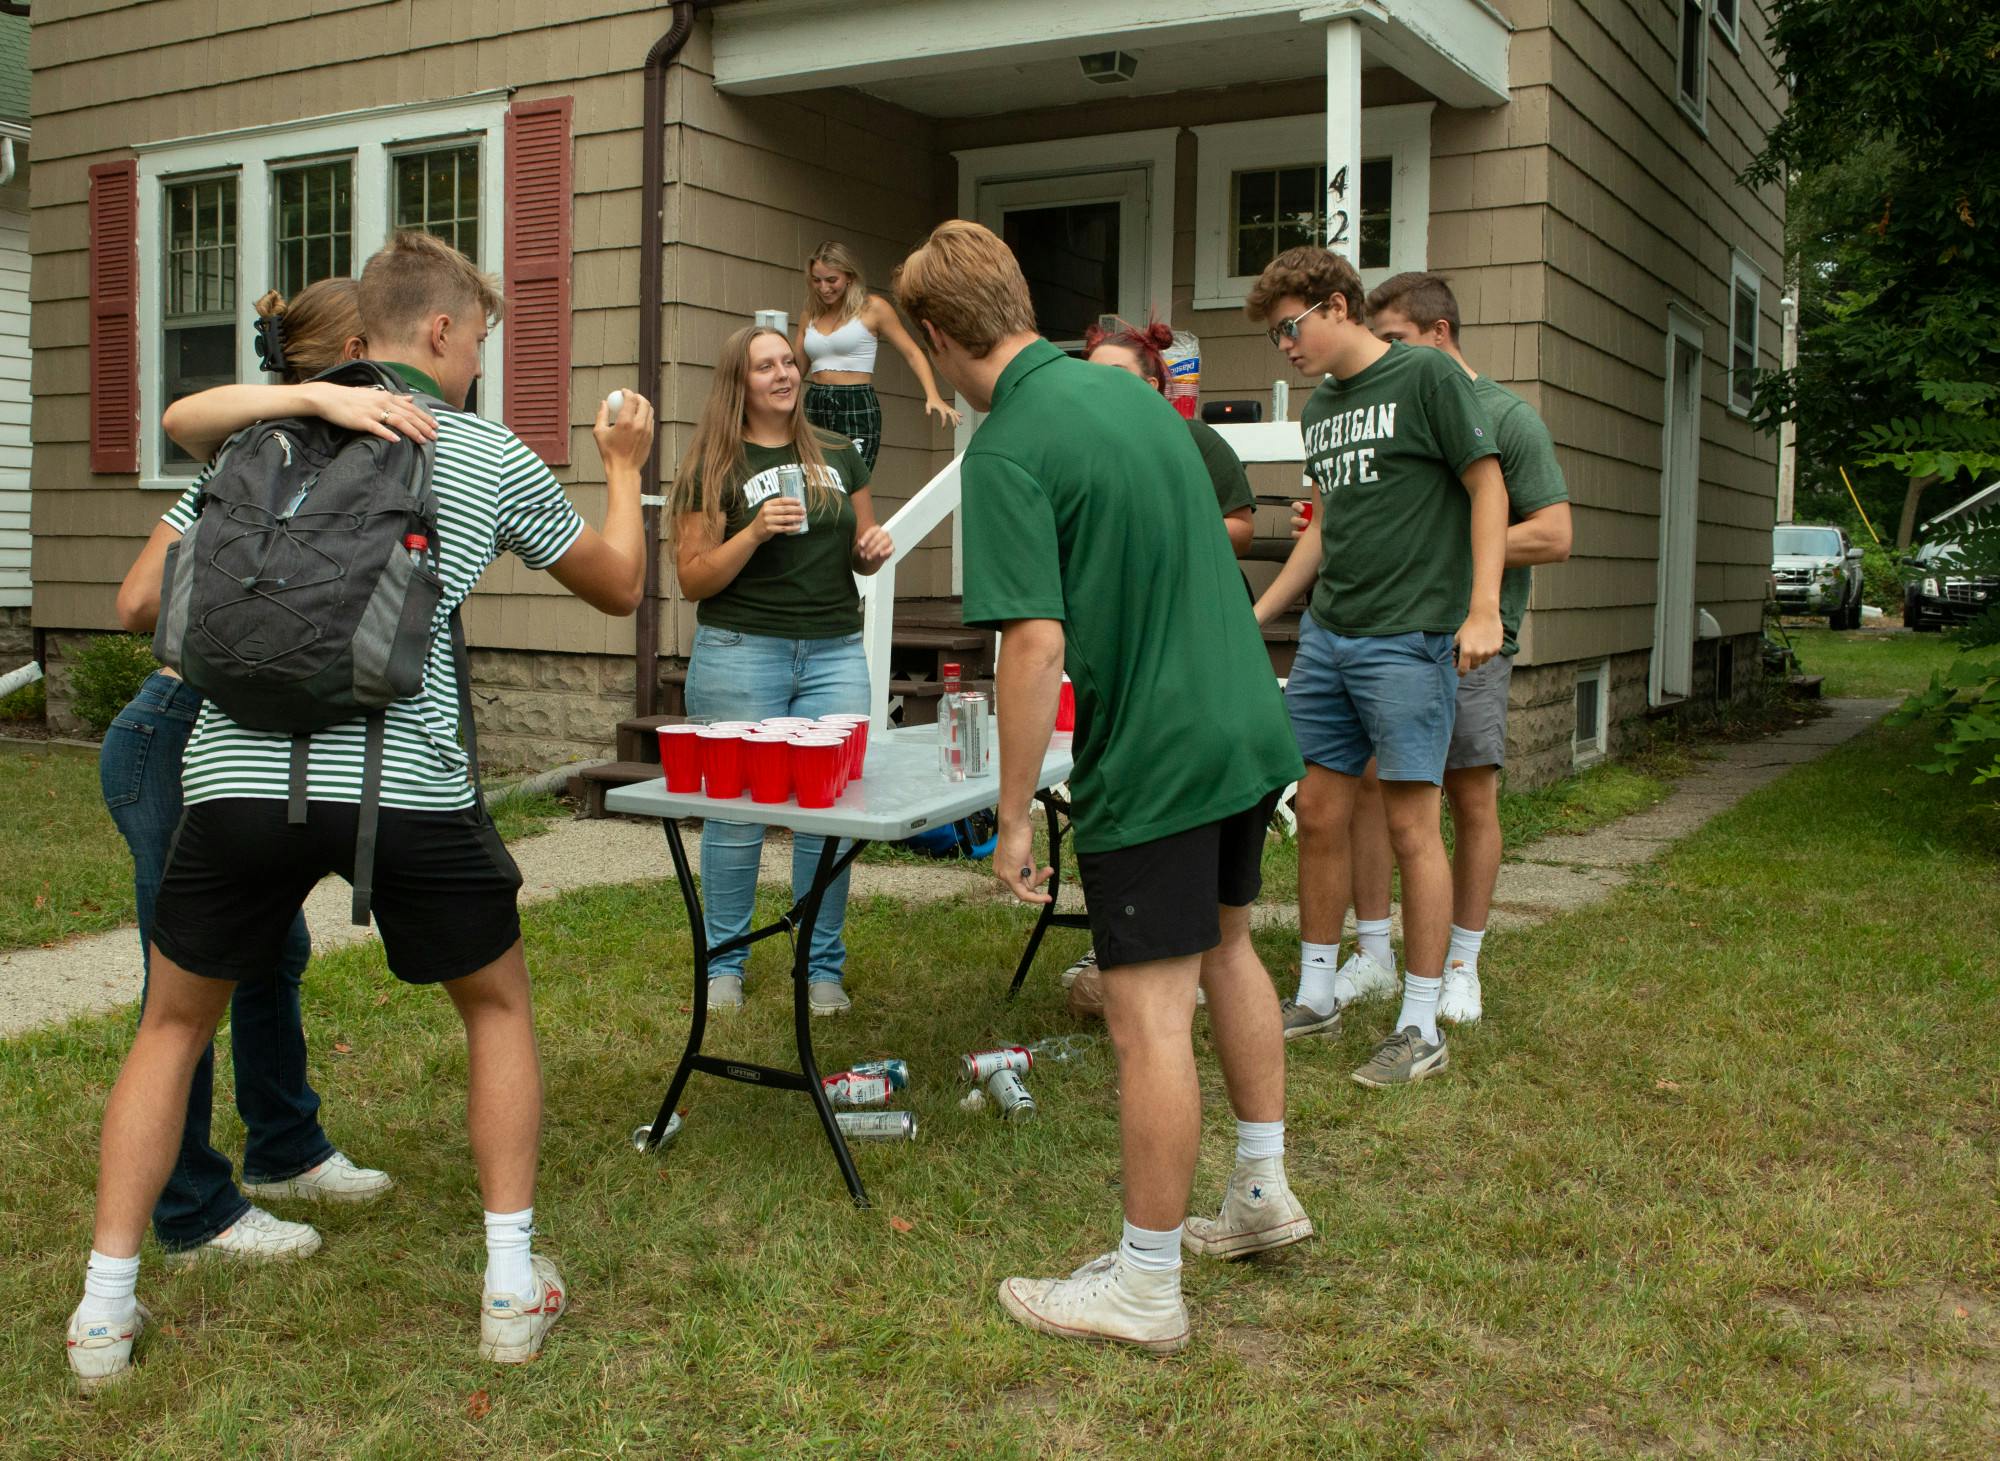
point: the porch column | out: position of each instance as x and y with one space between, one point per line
1343 137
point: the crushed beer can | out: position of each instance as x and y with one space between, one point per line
642 1136
898 1072
877 1125
854 1088
981 1064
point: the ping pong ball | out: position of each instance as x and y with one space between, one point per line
614 402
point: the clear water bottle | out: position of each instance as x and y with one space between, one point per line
951 753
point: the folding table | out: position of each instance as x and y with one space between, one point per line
900 793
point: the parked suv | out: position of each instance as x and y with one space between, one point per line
1814 570
1940 591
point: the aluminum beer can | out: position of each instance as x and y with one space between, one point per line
643 1134
981 1065
898 1072
877 1125
792 484
853 1088
971 716
1010 1093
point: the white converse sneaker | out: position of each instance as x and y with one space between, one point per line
334 1180
1458 1002
1258 1213
1104 1299
100 1351
1366 977
513 1326
256 1237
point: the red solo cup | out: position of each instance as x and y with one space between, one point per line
732 725
845 735
787 723
721 761
857 744
1305 507
767 767
1066 706
680 756
816 763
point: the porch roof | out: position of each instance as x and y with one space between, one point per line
956 58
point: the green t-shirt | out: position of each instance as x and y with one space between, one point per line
1385 449
1085 501
796 586
1225 468
1534 481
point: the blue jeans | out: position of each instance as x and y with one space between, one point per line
735 676
140 772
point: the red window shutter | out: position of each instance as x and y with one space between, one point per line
114 317
537 275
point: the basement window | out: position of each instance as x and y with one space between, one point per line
1593 703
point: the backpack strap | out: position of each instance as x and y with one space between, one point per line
468 728
371 807
295 804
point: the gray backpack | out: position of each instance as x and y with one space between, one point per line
303 594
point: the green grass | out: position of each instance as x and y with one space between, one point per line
1714 1177
63 867
1870 662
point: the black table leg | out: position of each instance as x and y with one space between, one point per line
1056 810
823 876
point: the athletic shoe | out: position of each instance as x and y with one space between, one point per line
824 997
725 992
1368 977
100 1352
1302 1019
1459 1004
1088 961
1104 1299
334 1180
1259 1213
256 1237
1405 1058
513 1326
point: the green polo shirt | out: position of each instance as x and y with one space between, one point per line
1225 468
1534 481
1086 501
1386 448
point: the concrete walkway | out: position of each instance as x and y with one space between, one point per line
101 972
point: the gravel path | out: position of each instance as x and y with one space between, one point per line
101 972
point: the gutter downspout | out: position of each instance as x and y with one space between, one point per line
652 218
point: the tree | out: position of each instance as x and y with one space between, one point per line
1888 144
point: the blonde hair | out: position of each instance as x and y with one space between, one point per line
714 464
415 276
967 283
836 256
315 325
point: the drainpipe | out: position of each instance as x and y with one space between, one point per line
652 211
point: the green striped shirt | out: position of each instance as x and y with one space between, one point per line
494 496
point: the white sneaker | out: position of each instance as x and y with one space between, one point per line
1366 977
1458 1001
513 1326
1104 1299
100 1351
1088 961
824 997
256 1237
334 1180
725 992
1258 1213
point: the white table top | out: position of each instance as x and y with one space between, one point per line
900 793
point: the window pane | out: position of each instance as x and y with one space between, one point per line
310 222
438 191
1691 49
194 359
1378 186
1069 254
200 263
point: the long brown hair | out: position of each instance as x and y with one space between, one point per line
836 255
714 464
316 324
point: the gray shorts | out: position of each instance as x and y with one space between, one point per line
1479 733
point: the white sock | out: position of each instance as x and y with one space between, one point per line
510 1240
1152 1252
1420 1005
1318 963
1371 936
108 1287
1258 1139
1465 944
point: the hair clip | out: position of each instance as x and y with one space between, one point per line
270 339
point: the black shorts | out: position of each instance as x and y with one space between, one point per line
1158 900
238 873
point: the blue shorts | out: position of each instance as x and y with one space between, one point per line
1390 696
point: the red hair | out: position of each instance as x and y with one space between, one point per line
1146 344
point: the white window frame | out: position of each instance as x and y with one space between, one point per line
1743 270
1733 31
1400 133
1585 752
252 153
1695 108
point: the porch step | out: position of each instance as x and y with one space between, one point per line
588 786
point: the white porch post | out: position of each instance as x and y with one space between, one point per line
1343 137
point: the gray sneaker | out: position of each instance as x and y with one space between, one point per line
1405 1058
725 992
1302 1019
825 997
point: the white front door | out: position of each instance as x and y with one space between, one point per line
1674 612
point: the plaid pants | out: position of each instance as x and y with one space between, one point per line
854 412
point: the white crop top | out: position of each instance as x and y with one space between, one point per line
851 347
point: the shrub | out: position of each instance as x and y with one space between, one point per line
29 703
1882 577
107 674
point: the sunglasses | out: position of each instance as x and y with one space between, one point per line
1289 329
